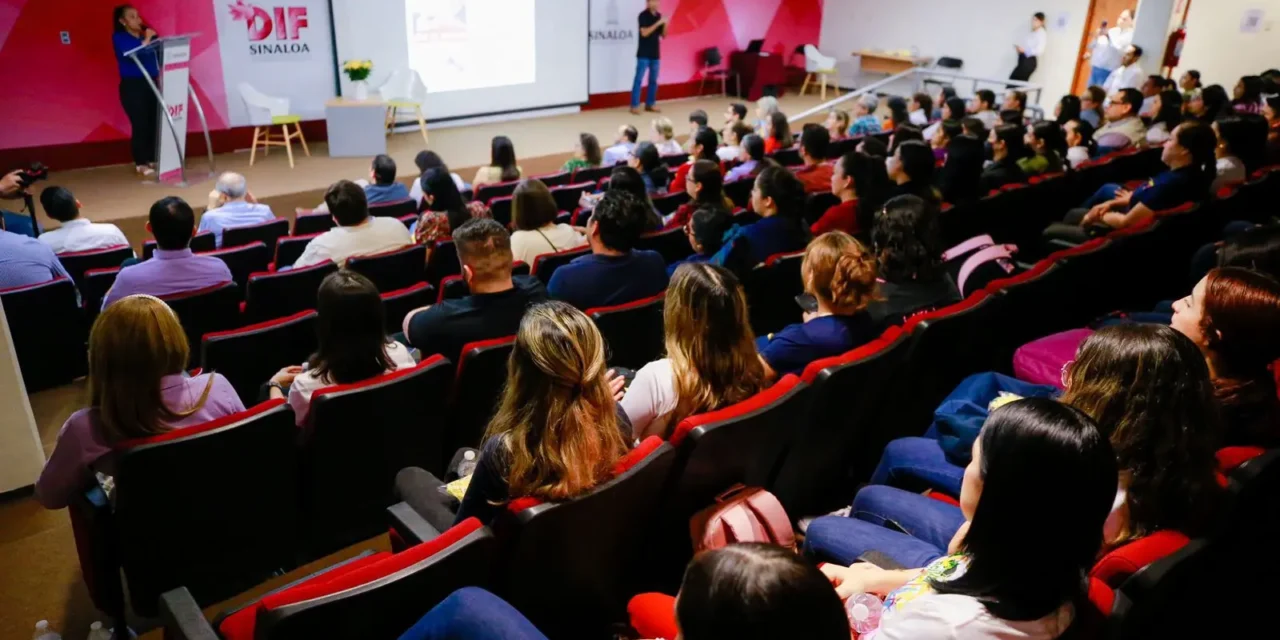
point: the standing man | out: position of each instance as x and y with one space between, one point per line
1129 75
1031 49
1105 54
652 27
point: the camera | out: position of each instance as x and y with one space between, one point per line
33 174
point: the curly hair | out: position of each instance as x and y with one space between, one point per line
907 241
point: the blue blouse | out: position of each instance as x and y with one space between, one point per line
123 41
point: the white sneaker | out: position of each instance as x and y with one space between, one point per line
145 170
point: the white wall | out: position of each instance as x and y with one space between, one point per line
982 34
1151 31
21 456
1219 51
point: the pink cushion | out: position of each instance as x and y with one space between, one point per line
1040 361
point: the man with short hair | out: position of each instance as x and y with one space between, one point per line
1124 128
816 172
25 260
615 272
231 205
1129 75
76 233
865 121
752 155
497 301
1151 87
622 146
1015 101
697 120
173 268
983 108
383 187
357 232
737 112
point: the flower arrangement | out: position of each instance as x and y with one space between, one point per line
357 70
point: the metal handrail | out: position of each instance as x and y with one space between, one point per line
932 73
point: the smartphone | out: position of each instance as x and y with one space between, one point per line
807 302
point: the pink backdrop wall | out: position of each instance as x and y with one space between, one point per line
66 94
731 25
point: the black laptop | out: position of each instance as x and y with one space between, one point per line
755 46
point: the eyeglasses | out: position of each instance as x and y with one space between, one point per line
1066 373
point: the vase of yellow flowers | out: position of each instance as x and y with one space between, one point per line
357 72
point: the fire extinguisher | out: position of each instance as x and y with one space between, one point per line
1173 48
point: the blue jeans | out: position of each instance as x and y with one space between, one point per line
1098 76
928 523
643 64
1105 193
473 614
917 463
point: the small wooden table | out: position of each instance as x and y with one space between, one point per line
357 128
889 63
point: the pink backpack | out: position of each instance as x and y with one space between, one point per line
1041 361
742 514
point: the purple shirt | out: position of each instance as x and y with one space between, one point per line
166 273
82 446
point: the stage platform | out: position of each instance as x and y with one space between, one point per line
116 194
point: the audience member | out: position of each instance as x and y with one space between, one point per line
974 127
26 261
907 244
1151 87
76 233
502 164
765 108
751 158
557 431
705 187
352 344
357 232
779 198
664 137
903 134
622 146
705 231
383 187
1124 129
984 102
231 205
1190 85
653 171
1105 53
496 301
533 213
425 161
1091 106
734 134
960 179
703 147
1166 114
711 358
138 387
953 110
173 268
778 136
944 133
979 585
864 117
1189 154
1068 109
1012 116
911 168
899 113
1235 137
920 109
735 113
586 154
862 184
1128 75
627 179
615 272
1047 146
839 277
837 124
1247 95
1080 145
815 173
1231 315
945 93
1211 104
1271 111
1015 101
444 210
698 120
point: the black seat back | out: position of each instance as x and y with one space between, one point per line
267 233
392 270
249 356
243 262
557 179
633 331
290 248
567 196
817 204
207 310
667 204
478 387
398 304
501 209
771 289
592 174
394 209
200 243
305 224
442 261
546 264
49 332
739 191
673 244
277 294
79 262
487 192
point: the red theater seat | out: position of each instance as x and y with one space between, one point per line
442 262
79 262
49 332
200 243
673 244
306 223
268 233
633 332
771 289
244 261
394 209
478 386
276 294
397 304
207 310
392 270
546 264
289 249
249 356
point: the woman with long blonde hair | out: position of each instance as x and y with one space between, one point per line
711 357
137 388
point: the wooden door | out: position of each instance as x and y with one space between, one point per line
1099 10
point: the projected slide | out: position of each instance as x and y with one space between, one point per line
457 45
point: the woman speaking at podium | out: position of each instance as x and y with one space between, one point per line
136 95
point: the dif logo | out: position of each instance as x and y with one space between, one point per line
286 23
177 111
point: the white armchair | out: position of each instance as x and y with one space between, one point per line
268 111
818 68
404 89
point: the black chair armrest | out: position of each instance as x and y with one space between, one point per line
182 617
411 527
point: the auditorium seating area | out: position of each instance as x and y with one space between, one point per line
255 495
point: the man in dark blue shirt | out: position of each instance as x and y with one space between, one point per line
614 273
384 187
652 27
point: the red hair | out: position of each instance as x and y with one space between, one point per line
1240 322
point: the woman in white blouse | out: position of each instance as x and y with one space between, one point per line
711 354
1167 106
353 344
534 211
664 137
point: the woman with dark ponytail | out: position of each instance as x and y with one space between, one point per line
839 277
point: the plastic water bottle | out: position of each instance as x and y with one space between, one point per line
468 464
43 632
864 612
98 632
